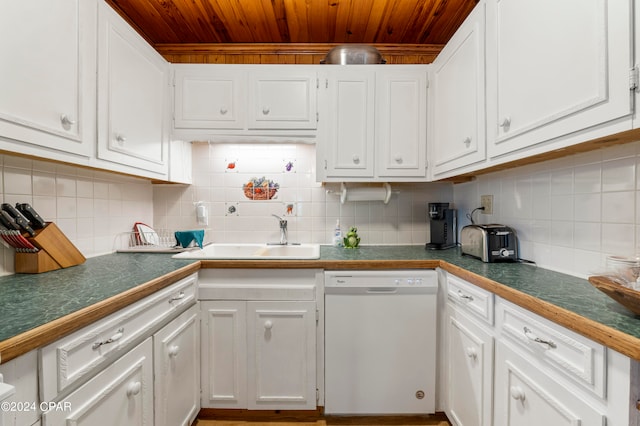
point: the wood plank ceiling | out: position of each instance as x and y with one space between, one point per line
293 31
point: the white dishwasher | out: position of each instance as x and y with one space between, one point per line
380 341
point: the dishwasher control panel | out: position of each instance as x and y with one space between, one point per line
426 278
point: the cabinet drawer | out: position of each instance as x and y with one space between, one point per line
472 299
121 394
581 360
76 356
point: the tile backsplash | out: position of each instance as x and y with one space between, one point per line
570 213
91 208
221 170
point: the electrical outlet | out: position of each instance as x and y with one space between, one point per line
486 201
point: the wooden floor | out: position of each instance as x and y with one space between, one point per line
435 420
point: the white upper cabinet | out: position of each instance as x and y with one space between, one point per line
47 77
209 97
244 102
133 90
556 68
347 146
457 115
282 99
372 123
401 118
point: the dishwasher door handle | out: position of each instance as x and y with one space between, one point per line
383 290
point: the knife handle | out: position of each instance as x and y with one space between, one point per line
7 221
20 220
36 220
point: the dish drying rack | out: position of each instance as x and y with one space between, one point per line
156 241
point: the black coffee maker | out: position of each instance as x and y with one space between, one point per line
443 223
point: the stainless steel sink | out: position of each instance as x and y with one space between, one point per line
253 252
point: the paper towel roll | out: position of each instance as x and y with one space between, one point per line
365 193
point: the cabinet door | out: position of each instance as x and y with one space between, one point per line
526 395
122 394
224 354
470 371
132 97
176 352
209 97
349 139
401 123
554 68
458 95
282 99
47 74
281 355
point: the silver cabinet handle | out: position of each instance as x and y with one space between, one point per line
111 339
268 325
532 337
505 124
356 159
180 296
467 141
120 139
465 297
223 110
266 110
398 159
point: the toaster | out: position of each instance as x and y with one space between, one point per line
490 243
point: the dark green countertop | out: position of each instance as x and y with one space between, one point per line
30 301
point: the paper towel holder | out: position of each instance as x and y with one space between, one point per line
365 193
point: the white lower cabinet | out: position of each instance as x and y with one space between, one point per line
526 395
121 394
470 371
259 354
470 348
141 360
22 374
176 351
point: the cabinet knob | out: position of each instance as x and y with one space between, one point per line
517 393
223 110
173 351
66 121
265 110
471 353
268 325
120 139
134 388
398 159
356 159
505 124
467 141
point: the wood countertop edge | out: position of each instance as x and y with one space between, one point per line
617 340
319 264
54 330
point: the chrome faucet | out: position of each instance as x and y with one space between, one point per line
283 229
